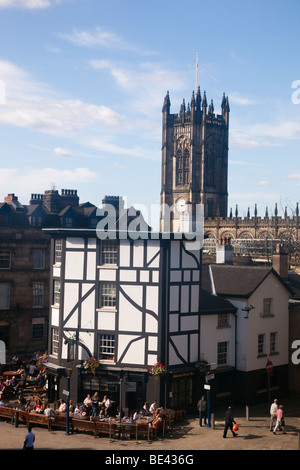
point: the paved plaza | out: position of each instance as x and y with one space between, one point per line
253 434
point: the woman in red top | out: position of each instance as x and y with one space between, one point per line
279 420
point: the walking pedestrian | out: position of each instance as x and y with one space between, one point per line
229 420
279 420
29 440
201 405
273 409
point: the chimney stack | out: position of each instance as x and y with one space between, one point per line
224 251
280 261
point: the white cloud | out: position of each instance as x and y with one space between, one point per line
35 180
236 98
99 37
294 176
61 152
28 4
146 86
264 183
33 105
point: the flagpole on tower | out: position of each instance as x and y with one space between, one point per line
196 83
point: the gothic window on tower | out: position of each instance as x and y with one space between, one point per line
186 166
179 166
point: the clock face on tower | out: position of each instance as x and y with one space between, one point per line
181 205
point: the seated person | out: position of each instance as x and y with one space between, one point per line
62 407
48 411
107 404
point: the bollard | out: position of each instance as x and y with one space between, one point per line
213 420
16 419
247 413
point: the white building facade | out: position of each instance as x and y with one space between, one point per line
129 303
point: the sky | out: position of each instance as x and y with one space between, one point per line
82 84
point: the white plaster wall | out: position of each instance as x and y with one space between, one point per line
152 248
138 253
74 265
71 298
106 320
210 336
130 318
88 308
74 242
91 266
136 351
124 253
256 324
54 316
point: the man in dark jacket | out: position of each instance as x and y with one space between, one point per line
229 420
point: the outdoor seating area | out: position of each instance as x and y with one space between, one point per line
113 428
23 401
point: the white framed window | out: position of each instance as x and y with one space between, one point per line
56 292
4 295
4 259
267 307
38 259
106 347
58 251
223 320
222 353
108 294
109 252
261 344
38 294
54 342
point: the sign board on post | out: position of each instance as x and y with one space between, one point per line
269 367
206 387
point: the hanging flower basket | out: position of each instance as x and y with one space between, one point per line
157 369
91 365
42 360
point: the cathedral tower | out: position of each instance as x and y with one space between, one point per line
194 160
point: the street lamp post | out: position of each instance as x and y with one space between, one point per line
68 401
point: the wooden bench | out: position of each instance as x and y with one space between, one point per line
36 418
144 430
60 421
180 415
84 425
107 428
21 417
6 412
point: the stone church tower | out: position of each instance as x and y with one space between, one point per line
194 161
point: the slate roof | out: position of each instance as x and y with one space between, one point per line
240 281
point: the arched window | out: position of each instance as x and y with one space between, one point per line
179 165
186 166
